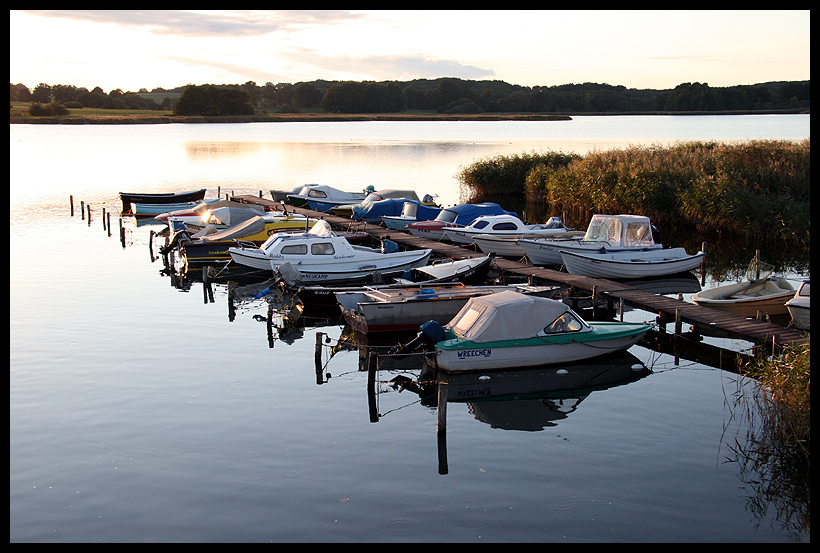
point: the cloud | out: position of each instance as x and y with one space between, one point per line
388 66
205 24
246 73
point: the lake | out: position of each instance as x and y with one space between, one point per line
143 412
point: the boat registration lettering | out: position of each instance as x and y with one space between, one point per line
487 352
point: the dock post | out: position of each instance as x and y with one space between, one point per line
441 432
317 352
89 214
703 265
71 202
621 310
82 210
372 368
109 223
595 302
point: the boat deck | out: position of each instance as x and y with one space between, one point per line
704 319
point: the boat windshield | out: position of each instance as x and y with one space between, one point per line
567 322
447 215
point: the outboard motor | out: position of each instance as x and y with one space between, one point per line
554 222
388 246
656 235
431 333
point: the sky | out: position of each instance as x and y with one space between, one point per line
131 50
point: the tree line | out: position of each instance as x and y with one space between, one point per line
444 95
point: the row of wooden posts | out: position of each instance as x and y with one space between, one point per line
85 209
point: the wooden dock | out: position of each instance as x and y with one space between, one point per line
705 320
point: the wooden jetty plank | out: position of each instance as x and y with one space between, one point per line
666 308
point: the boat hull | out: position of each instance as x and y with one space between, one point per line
548 252
456 355
160 198
406 309
629 264
337 270
747 299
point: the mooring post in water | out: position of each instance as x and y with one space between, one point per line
441 431
703 265
595 301
71 202
317 352
89 214
122 233
372 368
82 210
109 223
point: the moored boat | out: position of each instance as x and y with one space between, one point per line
509 329
159 198
457 216
631 264
505 226
320 255
325 193
800 306
605 233
211 249
760 292
406 308
472 271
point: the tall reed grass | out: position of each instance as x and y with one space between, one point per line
757 188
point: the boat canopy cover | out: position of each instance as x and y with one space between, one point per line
505 315
202 207
393 207
253 225
464 214
230 215
627 230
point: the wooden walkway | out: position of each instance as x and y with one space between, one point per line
705 319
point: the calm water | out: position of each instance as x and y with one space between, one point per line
140 412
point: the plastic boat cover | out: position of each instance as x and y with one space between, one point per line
506 315
467 213
231 215
627 230
393 207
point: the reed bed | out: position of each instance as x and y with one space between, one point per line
757 188
774 456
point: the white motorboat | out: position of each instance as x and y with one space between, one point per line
605 233
508 329
631 264
326 193
320 255
457 216
760 292
800 306
410 213
504 226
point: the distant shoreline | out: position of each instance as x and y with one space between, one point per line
133 119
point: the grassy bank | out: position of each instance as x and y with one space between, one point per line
92 116
759 188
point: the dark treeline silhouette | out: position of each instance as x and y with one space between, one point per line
444 95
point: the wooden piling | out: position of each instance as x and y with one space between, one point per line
109 223
441 432
89 214
317 351
703 265
71 202
82 210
